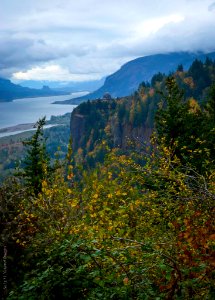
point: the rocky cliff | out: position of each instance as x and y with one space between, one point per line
77 127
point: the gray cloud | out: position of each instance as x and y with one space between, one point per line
19 53
211 7
95 37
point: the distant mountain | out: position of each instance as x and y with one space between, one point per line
10 91
64 86
127 79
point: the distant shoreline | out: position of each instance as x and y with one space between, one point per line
33 96
18 127
21 128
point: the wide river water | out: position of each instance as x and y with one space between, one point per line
29 110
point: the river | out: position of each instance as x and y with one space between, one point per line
29 110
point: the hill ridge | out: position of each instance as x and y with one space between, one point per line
126 80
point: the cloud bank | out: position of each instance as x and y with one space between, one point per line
88 39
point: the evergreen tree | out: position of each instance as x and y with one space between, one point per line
157 78
180 68
211 104
37 161
208 125
186 128
169 117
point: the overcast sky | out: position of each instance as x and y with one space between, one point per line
87 39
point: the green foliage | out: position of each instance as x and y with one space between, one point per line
157 78
187 128
169 121
11 196
36 164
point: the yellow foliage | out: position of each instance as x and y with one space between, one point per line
194 107
189 81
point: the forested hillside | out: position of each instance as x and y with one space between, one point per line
125 216
123 122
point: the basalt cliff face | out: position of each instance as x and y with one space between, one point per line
78 129
101 124
123 136
119 135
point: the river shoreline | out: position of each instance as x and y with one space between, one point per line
19 127
22 128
